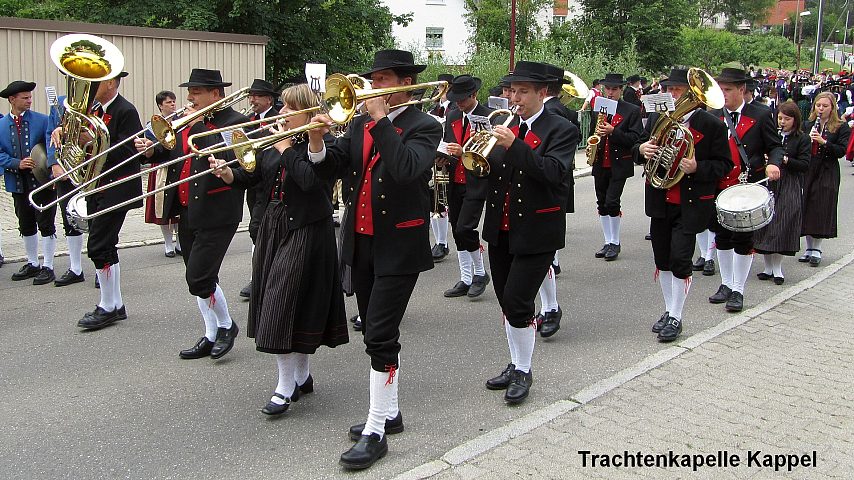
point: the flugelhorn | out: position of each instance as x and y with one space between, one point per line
480 144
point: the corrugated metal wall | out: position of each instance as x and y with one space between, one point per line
156 59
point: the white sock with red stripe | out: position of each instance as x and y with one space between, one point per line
665 281
208 317
523 339
465 266
740 271
477 262
393 407
105 279
220 308
514 355
679 291
725 266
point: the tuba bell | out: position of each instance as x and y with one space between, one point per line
85 60
674 140
573 91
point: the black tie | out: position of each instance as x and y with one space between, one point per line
523 130
465 124
734 116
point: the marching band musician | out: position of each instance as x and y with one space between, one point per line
683 210
20 132
444 106
122 121
466 192
614 164
296 303
385 237
525 222
209 212
165 101
756 136
439 221
633 93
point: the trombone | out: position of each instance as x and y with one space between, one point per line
164 131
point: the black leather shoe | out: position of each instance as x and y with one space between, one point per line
806 256
246 291
201 349
358 325
779 280
367 450
392 427
68 278
659 325
671 330
354 318
721 295
556 269
478 285
273 408
764 276
815 261
121 313
735 302
612 253
99 318
224 340
27 271
308 386
709 268
439 252
551 323
602 251
502 380
170 254
97 282
519 387
459 290
698 264
648 236
44 277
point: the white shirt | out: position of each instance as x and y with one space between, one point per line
109 102
317 157
533 118
266 112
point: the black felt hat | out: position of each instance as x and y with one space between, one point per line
732 75
557 72
532 72
445 77
401 61
613 80
462 87
201 77
262 87
17 87
633 79
678 76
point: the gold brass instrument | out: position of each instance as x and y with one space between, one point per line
340 102
594 140
480 144
574 91
441 179
674 140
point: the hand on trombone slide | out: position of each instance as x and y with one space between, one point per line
143 145
220 169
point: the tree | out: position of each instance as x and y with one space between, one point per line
490 21
779 51
737 11
707 48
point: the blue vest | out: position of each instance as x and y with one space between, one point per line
14 147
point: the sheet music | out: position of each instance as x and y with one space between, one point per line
498 103
658 102
226 137
479 122
604 103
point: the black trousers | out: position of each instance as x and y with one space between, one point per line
61 189
672 248
608 193
31 220
203 250
464 215
382 303
517 279
741 242
103 238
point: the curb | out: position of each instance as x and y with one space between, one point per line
472 448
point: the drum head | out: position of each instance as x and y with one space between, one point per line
743 197
77 209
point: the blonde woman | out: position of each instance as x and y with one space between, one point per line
829 136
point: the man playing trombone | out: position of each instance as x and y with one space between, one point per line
208 208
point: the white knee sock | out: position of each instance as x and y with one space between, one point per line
740 271
776 264
442 230
302 368
75 253
31 245
556 260
477 262
116 276
524 340
615 229
434 227
393 407
105 279
665 281
548 292
703 243
809 243
381 392
166 230
220 309
208 317
679 290
710 249
465 266
49 244
768 259
514 355
286 385
725 266
816 246
606 227
177 239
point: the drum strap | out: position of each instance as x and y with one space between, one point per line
741 152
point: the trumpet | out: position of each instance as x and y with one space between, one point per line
163 130
340 101
480 144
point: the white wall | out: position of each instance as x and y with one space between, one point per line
445 14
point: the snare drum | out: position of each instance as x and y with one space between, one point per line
745 207
77 209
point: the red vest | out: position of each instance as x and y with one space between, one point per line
364 221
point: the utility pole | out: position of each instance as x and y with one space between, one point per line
818 47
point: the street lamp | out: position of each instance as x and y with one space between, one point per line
801 36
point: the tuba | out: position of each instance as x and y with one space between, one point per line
86 60
573 91
480 144
674 140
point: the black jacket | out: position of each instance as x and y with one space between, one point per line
475 187
400 197
834 149
537 174
796 152
627 131
122 122
631 95
697 190
759 137
554 106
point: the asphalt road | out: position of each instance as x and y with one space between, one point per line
119 403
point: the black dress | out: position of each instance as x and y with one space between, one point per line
821 184
783 234
297 303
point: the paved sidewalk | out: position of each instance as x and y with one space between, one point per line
775 380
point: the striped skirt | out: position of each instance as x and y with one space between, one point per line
297 303
783 234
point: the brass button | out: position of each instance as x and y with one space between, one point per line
519 185
366 180
382 196
520 214
361 229
499 178
352 189
383 212
364 192
492 205
196 198
291 218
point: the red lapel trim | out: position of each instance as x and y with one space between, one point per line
457 127
616 119
697 135
532 140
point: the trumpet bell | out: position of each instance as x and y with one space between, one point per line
476 163
705 88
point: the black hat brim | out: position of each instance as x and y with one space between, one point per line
674 83
612 84
261 91
205 84
521 77
730 79
16 88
